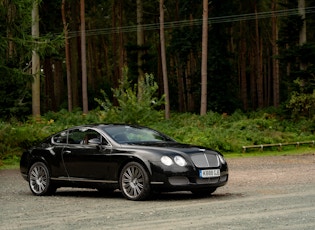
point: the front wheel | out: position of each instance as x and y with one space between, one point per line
134 182
39 180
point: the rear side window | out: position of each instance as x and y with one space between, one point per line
82 136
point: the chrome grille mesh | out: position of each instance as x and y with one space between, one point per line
205 160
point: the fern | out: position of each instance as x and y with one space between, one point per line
132 107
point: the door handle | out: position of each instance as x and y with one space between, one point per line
67 152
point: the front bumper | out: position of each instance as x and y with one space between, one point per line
185 178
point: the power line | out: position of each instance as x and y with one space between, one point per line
183 23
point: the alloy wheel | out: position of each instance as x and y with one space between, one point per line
39 180
134 182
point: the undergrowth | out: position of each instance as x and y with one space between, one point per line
224 132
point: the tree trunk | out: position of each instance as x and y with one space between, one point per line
59 87
92 63
49 101
242 68
258 59
180 84
302 39
140 43
253 80
190 70
275 61
106 59
74 49
175 68
11 14
163 57
118 46
115 38
121 54
67 52
83 59
302 13
35 62
204 58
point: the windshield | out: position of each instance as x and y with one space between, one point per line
133 134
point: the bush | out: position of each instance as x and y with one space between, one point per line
302 104
133 107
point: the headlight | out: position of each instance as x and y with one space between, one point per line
221 159
180 161
166 160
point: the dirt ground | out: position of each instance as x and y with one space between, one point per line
262 193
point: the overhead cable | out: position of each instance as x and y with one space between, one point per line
195 22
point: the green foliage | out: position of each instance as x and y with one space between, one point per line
15 137
15 53
132 107
16 46
64 119
302 104
228 133
223 132
14 96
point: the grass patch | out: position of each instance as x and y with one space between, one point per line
272 152
10 163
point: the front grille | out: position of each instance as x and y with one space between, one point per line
205 160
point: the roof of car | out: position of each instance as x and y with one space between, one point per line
103 124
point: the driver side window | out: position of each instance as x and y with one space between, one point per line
83 136
75 136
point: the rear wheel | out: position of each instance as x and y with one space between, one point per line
134 182
39 180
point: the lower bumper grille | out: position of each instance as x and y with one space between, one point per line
184 181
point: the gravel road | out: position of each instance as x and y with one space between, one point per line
262 193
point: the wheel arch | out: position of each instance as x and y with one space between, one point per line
35 159
145 163
134 180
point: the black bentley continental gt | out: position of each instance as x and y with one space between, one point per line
137 160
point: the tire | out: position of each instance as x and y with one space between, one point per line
39 180
134 182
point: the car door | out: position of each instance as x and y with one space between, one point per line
83 156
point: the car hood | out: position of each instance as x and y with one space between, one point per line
169 147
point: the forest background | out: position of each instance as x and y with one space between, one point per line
259 69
